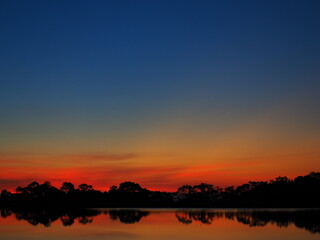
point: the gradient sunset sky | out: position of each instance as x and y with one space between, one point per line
162 93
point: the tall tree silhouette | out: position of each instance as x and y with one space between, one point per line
303 191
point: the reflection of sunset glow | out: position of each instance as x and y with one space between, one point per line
225 224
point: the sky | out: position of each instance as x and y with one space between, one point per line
162 93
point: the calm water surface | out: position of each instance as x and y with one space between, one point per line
169 224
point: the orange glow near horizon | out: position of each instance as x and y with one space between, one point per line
160 177
165 160
174 151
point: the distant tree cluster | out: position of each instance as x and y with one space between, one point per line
303 191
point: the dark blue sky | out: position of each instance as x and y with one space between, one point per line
100 76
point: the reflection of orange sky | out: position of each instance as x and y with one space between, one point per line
157 225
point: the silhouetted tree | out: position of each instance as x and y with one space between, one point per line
113 189
130 187
185 189
303 191
5 193
67 187
85 187
203 188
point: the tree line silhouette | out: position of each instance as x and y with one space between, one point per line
305 219
303 191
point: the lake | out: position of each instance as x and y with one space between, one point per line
138 224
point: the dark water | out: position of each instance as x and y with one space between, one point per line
159 224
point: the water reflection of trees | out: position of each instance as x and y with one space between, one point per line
304 219
68 217
128 216
308 219
200 216
46 217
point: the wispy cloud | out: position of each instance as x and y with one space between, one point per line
101 157
11 159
